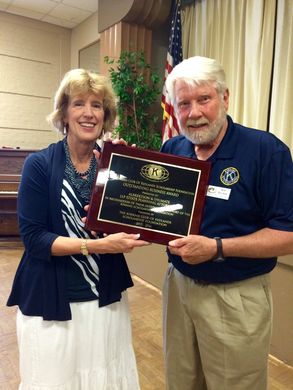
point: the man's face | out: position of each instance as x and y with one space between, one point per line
201 111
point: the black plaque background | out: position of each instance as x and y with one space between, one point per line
130 166
105 214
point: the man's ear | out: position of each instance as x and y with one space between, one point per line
226 98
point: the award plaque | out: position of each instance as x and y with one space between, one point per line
159 195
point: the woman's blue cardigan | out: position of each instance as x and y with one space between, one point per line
39 287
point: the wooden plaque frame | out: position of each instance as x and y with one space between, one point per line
159 195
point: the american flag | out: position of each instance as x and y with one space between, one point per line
174 56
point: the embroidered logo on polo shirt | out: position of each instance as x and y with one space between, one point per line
229 176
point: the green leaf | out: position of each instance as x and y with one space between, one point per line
136 86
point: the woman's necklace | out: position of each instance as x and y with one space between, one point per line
80 181
85 173
68 157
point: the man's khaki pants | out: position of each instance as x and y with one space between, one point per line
216 337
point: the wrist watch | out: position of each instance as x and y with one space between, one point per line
83 248
220 255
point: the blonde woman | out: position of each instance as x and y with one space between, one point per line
73 321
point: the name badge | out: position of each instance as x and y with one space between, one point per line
218 192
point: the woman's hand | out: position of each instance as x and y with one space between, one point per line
86 208
97 154
115 141
113 243
120 242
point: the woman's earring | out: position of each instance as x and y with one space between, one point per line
65 129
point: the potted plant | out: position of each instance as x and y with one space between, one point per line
136 86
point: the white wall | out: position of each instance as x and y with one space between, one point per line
33 58
82 36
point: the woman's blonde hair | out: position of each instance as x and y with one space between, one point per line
83 82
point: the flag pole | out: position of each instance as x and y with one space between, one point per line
174 56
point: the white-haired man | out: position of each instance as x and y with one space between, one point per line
217 297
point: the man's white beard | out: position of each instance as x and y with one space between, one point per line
207 136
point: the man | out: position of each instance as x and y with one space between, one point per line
217 297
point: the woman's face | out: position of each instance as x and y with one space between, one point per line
85 117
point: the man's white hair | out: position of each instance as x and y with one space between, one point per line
195 71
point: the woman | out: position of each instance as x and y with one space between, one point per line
73 321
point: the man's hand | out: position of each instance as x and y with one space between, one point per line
118 141
194 249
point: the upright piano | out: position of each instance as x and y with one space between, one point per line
11 162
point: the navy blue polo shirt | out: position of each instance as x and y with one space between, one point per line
254 171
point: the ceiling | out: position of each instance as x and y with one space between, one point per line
65 13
